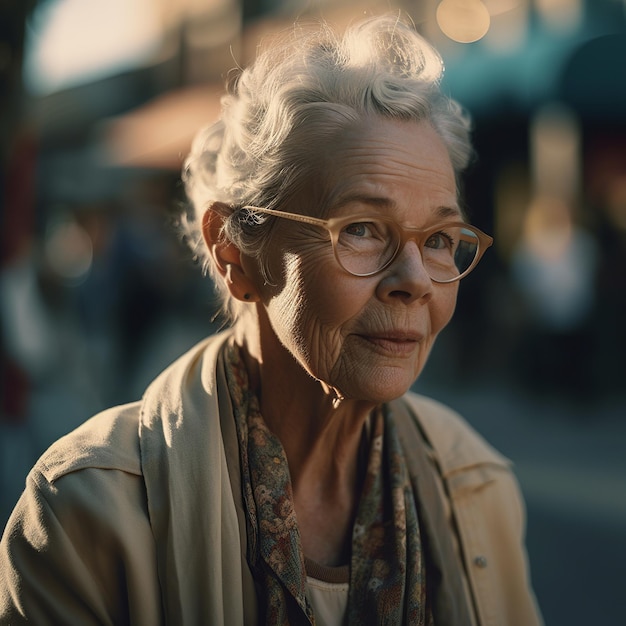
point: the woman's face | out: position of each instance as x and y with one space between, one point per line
366 337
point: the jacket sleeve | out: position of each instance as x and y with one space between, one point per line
78 550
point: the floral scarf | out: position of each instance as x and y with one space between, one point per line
387 569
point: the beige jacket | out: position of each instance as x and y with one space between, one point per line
135 517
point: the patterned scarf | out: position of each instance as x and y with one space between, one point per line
387 571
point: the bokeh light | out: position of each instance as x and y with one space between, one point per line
464 21
68 250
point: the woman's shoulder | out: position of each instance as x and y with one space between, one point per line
109 440
455 442
112 438
84 516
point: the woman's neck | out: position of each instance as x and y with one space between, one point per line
314 428
321 439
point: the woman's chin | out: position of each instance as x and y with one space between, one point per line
380 388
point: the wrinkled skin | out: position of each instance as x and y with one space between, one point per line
366 338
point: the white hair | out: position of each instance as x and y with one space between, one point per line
299 93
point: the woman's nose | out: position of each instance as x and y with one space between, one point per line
406 278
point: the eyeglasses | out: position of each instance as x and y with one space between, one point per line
365 245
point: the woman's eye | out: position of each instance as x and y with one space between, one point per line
359 229
439 241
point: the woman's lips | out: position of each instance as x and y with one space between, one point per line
394 343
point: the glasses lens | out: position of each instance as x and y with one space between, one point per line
449 252
365 247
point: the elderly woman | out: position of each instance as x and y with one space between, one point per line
282 472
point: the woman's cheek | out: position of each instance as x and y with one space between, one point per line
323 303
443 306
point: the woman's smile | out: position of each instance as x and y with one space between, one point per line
393 343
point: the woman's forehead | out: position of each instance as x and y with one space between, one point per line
385 163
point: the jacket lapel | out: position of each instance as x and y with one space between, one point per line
444 568
190 500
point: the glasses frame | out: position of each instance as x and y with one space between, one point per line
420 235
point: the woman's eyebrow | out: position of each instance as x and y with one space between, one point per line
375 201
380 202
445 212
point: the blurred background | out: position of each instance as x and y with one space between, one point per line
99 101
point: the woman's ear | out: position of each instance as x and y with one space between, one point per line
226 256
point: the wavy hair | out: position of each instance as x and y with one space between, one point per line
301 92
